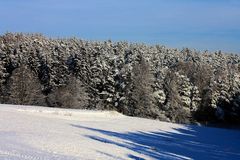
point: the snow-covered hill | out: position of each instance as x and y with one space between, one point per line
39 133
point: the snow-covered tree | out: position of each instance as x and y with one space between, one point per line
71 95
142 93
206 82
25 88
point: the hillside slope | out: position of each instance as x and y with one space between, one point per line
36 133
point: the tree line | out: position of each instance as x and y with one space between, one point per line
156 82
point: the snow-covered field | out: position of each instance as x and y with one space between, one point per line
29 133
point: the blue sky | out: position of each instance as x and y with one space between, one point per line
200 24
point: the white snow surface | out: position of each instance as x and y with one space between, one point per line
42 133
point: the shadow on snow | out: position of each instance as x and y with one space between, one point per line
192 142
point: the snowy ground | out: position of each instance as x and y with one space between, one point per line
38 133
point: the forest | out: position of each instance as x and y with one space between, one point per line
150 81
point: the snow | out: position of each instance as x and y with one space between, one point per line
41 133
